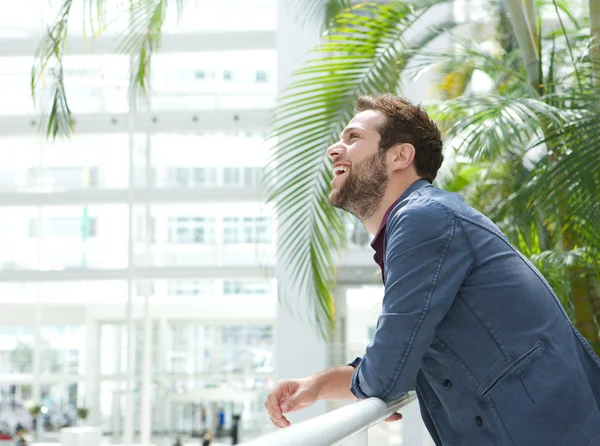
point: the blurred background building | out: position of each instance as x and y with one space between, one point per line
157 218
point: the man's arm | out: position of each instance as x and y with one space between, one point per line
427 259
292 395
335 383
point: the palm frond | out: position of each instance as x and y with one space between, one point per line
484 128
365 51
563 6
318 12
142 40
567 181
95 16
47 77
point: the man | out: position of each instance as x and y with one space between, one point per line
467 321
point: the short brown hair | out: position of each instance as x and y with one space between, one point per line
406 122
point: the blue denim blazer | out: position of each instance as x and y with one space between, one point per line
473 326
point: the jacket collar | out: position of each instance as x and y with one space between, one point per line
378 241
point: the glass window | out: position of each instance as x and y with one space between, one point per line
247 230
192 177
97 291
204 177
230 230
231 176
261 76
64 227
264 230
200 176
61 349
175 86
252 176
191 288
187 230
63 237
16 350
246 287
247 348
182 231
182 177
63 177
190 348
140 229
84 161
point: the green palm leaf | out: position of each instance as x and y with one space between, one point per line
320 12
365 51
142 41
485 127
145 20
57 118
568 179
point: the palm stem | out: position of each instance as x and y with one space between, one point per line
582 304
595 35
525 39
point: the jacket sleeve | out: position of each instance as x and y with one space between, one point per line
427 257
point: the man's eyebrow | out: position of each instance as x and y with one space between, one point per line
348 130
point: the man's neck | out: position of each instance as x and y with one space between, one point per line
391 195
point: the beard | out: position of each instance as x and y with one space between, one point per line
363 190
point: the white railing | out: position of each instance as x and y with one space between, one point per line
347 426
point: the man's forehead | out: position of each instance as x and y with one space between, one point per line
367 120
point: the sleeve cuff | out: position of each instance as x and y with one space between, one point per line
359 386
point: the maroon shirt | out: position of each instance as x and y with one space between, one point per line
379 240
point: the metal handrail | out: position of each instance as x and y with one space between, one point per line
335 426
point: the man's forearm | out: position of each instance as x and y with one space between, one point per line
335 383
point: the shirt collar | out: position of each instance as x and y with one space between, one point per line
378 240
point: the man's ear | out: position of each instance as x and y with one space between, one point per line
402 156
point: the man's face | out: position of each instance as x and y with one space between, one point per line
360 172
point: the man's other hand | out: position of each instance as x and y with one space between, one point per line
394 417
290 395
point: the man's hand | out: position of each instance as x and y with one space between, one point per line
289 396
394 417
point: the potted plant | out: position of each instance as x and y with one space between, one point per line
36 411
82 413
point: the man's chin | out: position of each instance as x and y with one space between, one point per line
335 200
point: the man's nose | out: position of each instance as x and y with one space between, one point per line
335 150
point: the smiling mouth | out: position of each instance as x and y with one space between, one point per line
337 174
340 170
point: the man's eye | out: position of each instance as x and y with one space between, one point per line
353 135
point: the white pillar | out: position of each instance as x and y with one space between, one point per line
161 397
146 398
338 347
117 410
36 387
37 352
217 350
90 398
129 419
